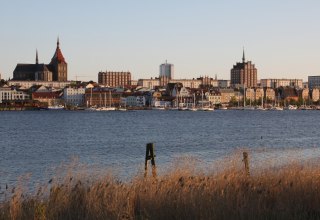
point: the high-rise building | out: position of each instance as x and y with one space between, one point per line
166 70
114 79
244 74
57 70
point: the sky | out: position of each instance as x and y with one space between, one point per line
201 38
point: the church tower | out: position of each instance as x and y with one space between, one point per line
59 65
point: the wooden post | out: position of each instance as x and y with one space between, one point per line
246 163
150 156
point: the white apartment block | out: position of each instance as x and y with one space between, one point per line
276 83
74 96
28 84
135 101
6 93
191 83
149 83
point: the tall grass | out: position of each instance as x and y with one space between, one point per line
291 191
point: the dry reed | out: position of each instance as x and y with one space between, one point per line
291 191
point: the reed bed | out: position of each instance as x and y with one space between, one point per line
291 191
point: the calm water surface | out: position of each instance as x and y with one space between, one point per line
36 142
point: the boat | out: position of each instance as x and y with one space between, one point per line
107 108
159 108
56 107
292 107
92 108
204 108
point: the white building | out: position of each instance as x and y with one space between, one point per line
6 93
149 83
28 84
276 83
313 82
74 96
134 101
191 83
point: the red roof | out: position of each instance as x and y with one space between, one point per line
58 55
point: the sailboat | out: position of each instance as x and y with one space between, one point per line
107 108
193 108
123 109
245 107
204 108
261 108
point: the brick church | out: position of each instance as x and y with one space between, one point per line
56 70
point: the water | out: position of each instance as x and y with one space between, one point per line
36 142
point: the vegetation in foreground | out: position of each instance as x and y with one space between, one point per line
289 192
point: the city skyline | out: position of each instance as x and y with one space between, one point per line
199 39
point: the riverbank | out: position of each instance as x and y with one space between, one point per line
184 192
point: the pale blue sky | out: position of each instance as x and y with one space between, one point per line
205 37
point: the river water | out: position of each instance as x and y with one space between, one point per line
36 142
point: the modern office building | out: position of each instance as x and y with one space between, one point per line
56 70
114 79
244 74
167 70
313 82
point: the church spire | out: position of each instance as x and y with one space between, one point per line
243 57
58 42
37 59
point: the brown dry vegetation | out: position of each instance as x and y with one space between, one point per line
289 192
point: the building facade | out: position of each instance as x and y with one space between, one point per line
8 94
276 83
28 84
114 79
313 82
166 69
149 83
244 74
74 96
56 70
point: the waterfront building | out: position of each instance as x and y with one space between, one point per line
276 83
250 94
259 93
28 84
74 96
244 74
114 79
56 70
214 98
102 97
289 93
135 101
48 96
270 94
226 95
315 93
167 70
304 94
313 81
11 94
